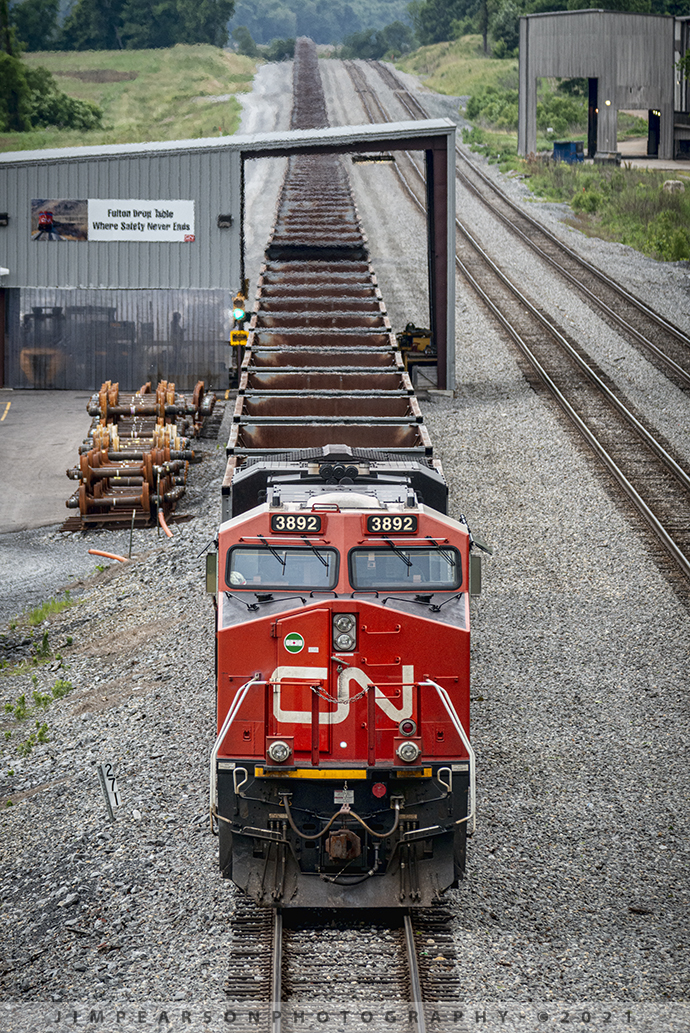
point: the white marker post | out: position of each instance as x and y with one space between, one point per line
106 774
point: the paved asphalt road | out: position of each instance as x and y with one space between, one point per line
40 433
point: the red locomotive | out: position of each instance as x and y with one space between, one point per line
342 774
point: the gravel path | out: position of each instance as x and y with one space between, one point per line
577 877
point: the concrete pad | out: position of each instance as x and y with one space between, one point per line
634 152
40 434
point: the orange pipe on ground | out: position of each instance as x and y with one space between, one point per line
161 521
108 555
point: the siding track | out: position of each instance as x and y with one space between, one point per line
652 479
666 345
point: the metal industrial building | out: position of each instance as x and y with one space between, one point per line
120 262
629 60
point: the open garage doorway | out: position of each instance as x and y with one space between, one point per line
639 133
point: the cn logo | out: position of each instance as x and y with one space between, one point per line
351 676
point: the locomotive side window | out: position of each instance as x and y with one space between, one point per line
267 567
411 569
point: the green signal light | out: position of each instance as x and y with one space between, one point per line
238 314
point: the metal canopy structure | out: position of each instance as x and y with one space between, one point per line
627 58
209 173
436 137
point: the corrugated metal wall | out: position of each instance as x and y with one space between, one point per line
209 178
631 55
76 339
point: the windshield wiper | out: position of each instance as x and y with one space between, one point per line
448 555
398 552
314 550
274 552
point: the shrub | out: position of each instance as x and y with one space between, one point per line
30 99
667 239
280 50
42 699
587 201
40 735
61 688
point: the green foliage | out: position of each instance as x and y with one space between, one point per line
372 44
15 105
145 94
636 6
499 148
35 23
561 114
51 606
494 106
497 106
19 710
325 21
140 24
505 29
40 735
42 700
62 688
280 50
437 20
629 205
244 42
588 201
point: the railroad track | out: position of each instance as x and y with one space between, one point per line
292 969
641 463
666 346
658 337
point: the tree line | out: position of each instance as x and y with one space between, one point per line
119 24
30 97
498 21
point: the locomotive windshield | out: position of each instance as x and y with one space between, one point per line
397 567
265 567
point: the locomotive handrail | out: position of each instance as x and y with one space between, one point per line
457 724
229 718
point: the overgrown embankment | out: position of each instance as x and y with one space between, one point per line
175 94
620 204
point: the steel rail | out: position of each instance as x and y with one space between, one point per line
636 334
403 95
277 972
681 475
415 980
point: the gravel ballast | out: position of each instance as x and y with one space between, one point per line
576 887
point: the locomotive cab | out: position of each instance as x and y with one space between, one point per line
342 774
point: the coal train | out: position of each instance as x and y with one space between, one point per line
342 775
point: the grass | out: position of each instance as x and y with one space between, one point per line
623 204
145 95
48 609
459 68
21 709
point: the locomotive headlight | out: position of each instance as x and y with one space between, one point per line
408 751
344 632
278 751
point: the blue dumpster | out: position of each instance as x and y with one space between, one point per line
569 150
